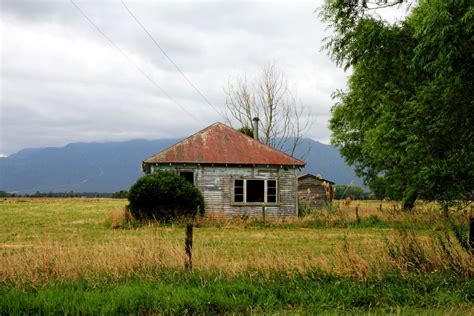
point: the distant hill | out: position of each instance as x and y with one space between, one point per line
113 166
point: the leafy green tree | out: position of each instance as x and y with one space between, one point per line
122 194
354 192
408 113
378 186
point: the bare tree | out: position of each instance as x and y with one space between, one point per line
283 121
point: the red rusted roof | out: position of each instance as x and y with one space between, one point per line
221 144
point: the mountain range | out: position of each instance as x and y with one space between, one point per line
113 166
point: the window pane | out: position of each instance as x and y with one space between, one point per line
271 191
239 183
255 190
239 198
271 198
188 176
271 184
239 191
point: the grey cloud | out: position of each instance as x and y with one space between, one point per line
62 82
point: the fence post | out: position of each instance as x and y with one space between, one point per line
188 246
357 215
471 234
127 213
471 231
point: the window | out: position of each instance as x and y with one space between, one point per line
271 191
255 191
188 176
238 190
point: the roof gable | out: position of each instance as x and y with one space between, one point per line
221 144
308 175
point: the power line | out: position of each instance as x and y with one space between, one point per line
172 61
133 63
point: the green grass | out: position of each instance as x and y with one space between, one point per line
175 292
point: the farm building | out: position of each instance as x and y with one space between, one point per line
314 191
236 174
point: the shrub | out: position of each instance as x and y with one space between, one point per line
164 196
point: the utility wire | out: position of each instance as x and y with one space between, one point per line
133 63
172 61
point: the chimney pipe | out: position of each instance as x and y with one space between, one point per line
255 127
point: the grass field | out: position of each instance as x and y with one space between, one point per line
78 256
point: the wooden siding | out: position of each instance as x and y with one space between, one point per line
216 186
312 193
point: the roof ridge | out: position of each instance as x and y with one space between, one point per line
234 134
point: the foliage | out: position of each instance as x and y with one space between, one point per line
122 194
408 113
378 187
6 194
246 130
354 192
164 196
69 194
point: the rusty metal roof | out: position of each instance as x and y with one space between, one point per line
221 144
302 176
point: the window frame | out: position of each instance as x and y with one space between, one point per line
265 192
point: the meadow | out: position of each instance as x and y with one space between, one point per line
84 256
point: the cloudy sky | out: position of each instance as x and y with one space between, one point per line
63 82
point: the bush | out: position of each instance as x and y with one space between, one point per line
164 196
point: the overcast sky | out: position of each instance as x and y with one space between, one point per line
62 82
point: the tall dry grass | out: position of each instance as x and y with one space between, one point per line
54 261
424 214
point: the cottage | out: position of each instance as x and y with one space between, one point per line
314 191
236 174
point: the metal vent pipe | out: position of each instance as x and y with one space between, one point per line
255 127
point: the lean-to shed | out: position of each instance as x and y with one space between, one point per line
314 191
237 174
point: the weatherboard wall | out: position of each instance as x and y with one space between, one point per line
216 184
312 193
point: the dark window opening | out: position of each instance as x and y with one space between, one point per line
255 190
271 191
188 176
239 191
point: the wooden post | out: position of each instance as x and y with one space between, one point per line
357 215
127 213
188 246
380 207
263 213
471 233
